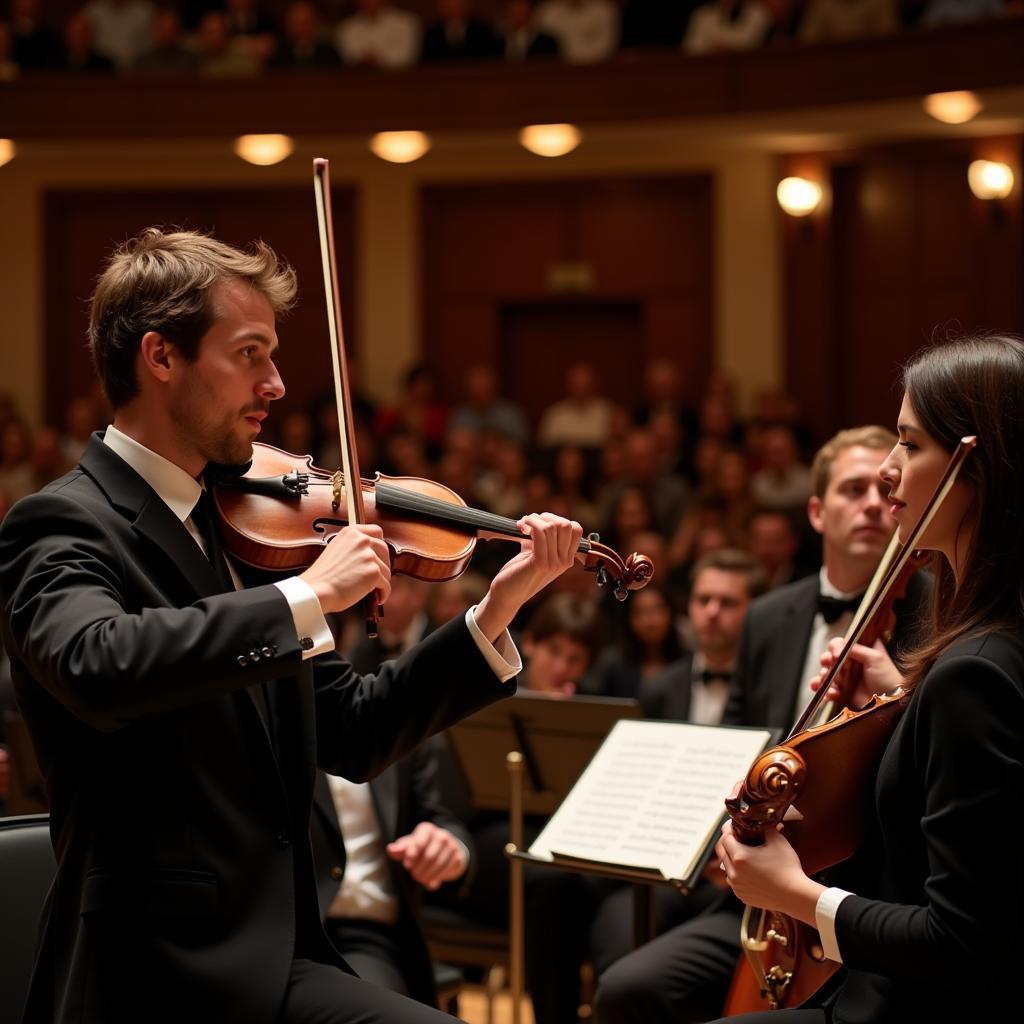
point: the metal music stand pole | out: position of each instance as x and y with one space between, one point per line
514 763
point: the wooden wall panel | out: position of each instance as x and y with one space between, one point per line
906 256
83 227
641 249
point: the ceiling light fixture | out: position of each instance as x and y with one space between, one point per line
952 107
550 139
264 150
400 147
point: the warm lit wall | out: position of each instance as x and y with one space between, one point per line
747 252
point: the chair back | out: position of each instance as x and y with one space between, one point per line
27 867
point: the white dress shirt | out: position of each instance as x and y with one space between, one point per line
390 40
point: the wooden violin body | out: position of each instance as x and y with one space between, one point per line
279 515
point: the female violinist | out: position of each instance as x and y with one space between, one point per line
933 927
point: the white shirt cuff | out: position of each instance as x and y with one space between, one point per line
502 655
825 911
315 636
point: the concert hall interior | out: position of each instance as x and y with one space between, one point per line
651 266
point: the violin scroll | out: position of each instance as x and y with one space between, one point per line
771 786
610 569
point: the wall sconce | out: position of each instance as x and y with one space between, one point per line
550 139
8 151
952 107
989 179
400 147
798 196
264 150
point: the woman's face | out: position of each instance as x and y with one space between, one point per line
650 618
913 470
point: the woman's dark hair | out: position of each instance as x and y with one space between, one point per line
975 385
671 646
569 615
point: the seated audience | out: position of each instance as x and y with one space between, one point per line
167 54
304 44
650 24
418 409
484 410
722 26
404 624
830 20
956 12
33 45
219 57
583 417
379 35
79 54
520 35
782 481
9 70
122 29
251 29
587 30
774 541
458 35
17 477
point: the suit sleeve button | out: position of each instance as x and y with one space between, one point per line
283 839
242 660
306 643
254 656
337 874
267 652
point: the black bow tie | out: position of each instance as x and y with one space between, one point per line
832 608
711 675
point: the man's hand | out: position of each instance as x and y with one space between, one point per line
430 854
550 550
352 565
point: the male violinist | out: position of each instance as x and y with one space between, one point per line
178 717
684 974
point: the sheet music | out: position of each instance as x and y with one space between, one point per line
652 796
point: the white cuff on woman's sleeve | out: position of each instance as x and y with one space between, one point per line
825 918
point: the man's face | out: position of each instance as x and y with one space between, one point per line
718 604
772 540
851 517
556 664
217 402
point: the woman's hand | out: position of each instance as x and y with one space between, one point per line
878 674
768 876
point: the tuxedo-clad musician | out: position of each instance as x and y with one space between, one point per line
684 975
179 717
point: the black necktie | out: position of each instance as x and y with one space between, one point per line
203 517
711 675
832 608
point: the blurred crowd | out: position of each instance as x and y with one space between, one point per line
244 37
665 479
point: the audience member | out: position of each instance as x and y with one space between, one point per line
583 417
167 54
251 29
722 26
418 410
455 597
304 44
649 644
484 410
521 37
630 513
379 35
956 12
81 418
587 30
502 489
570 477
403 625
458 35
773 540
829 20
649 24
17 478
9 70
123 29
79 54
218 57
33 45
46 458
783 481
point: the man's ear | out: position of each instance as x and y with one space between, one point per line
155 354
816 513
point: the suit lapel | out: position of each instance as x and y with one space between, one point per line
794 635
384 790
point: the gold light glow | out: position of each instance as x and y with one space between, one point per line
989 179
8 151
798 196
264 150
550 139
952 107
400 147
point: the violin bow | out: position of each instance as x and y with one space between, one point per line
349 473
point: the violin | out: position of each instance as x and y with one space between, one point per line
817 784
279 515
281 512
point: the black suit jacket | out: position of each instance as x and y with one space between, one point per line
478 42
185 884
667 694
403 795
933 933
773 649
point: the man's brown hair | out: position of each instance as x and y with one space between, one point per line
163 282
738 561
876 438
578 618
